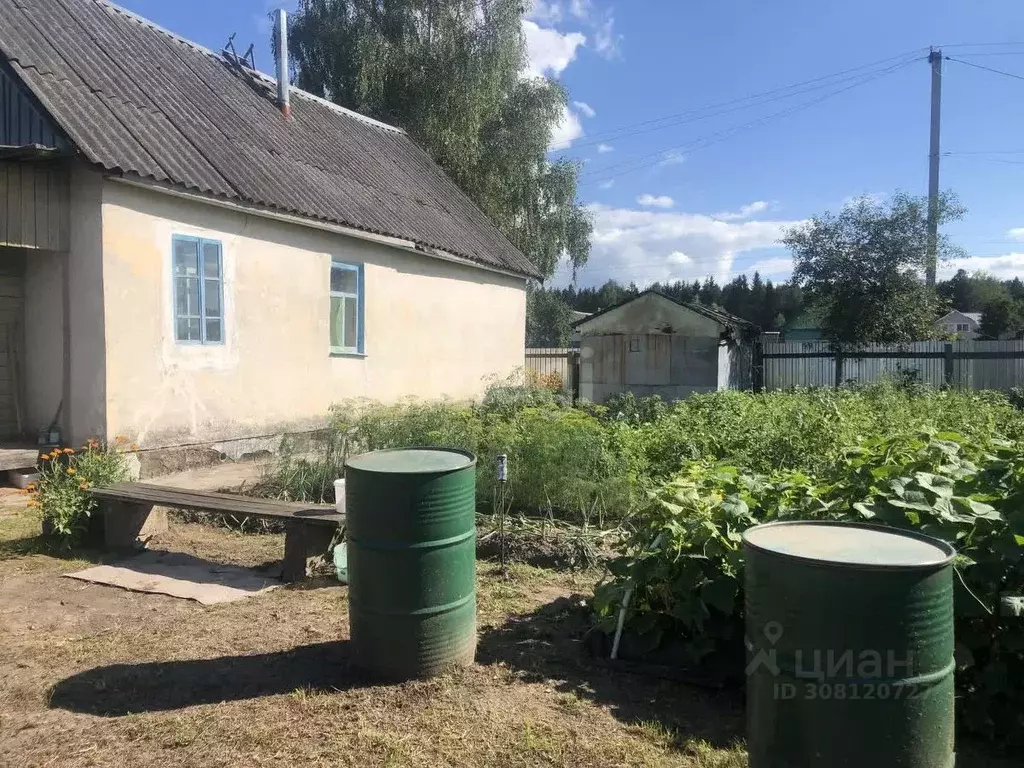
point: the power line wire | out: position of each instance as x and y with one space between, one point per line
987 69
637 162
624 131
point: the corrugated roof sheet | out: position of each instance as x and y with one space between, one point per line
141 101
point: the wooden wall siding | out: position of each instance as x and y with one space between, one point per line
966 364
21 122
34 205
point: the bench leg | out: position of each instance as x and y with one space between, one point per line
301 542
130 526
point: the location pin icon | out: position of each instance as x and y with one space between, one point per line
773 631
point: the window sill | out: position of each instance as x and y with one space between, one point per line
341 353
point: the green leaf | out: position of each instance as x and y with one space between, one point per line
720 594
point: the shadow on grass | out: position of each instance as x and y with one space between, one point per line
40 544
549 645
122 689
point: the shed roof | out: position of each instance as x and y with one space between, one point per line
140 101
720 316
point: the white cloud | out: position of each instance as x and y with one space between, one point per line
604 149
1017 233
607 184
549 51
647 245
545 12
1004 267
655 201
672 157
580 8
778 267
607 41
745 211
566 131
585 109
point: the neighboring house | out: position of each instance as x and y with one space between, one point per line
652 344
964 324
192 255
574 339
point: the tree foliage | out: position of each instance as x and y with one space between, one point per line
451 73
865 266
999 316
548 319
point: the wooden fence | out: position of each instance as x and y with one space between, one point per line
964 364
546 365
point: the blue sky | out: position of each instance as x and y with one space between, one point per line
711 194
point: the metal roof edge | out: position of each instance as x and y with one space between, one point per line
262 75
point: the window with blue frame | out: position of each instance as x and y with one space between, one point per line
198 272
346 308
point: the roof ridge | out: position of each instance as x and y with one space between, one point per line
262 75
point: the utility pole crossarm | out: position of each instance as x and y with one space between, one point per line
934 155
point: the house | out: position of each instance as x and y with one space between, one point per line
653 345
194 254
574 339
966 325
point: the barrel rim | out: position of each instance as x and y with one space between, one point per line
441 449
938 543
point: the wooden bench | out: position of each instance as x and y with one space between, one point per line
129 518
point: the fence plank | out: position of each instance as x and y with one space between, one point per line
967 364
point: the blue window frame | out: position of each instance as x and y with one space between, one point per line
198 274
346 322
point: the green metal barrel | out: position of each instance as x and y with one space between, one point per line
849 635
411 538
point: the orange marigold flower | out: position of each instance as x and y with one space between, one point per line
45 457
72 470
69 450
30 487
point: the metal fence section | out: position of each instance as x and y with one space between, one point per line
553 367
964 364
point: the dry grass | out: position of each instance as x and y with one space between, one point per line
95 676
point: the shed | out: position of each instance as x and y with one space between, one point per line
654 345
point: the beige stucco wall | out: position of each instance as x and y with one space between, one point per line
432 328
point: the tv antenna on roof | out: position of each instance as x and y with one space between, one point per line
248 58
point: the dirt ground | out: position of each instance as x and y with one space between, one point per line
97 676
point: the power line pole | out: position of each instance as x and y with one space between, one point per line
931 263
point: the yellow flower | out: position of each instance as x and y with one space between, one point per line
32 503
69 450
45 457
72 470
30 487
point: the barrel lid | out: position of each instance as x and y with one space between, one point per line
413 460
850 544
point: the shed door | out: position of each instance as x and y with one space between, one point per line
11 366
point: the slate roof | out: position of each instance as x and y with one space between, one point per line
716 314
139 101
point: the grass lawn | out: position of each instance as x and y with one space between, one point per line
97 676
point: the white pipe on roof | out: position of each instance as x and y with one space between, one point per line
283 81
